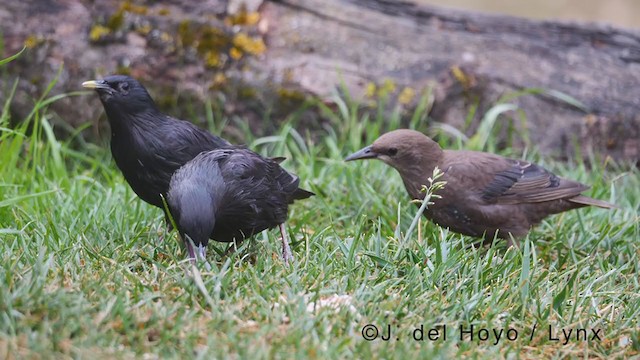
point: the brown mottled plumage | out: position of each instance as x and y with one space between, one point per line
484 192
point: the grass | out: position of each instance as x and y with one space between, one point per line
84 272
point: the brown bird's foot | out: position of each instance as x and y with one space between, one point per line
510 241
286 250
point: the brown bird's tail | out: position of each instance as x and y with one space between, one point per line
585 200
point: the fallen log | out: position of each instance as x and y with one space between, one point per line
272 55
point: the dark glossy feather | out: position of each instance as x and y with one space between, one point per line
147 145
231 193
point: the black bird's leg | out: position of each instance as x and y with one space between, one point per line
286 250
192 253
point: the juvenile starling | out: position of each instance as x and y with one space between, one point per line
147 145
485 194
231 194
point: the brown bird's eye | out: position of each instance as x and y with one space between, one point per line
392 151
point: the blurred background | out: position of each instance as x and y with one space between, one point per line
88 270
615 12
568 70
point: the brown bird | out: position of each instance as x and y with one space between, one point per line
485 194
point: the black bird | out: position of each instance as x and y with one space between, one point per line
484 193
147 145
231 194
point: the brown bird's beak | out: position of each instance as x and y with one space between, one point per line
95 84
364 153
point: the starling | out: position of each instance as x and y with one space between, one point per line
231 194
485 195
147 145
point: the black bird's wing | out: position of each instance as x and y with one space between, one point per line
257 193
265 173
262 172
164 150
180 141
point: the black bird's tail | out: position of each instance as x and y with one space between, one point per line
300 194
279 159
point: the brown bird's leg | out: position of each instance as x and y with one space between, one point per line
286 250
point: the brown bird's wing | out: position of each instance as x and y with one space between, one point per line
481 190
525 182
499 180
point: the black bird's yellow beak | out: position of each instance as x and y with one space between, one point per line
364 153
96 84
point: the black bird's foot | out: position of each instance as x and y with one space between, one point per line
199 255
235 245
202 254
286 250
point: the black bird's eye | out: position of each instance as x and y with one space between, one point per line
392 151
124 86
